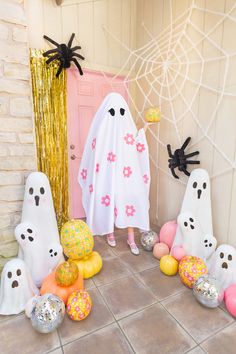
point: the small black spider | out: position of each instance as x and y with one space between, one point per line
65 54
179 159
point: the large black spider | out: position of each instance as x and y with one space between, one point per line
64 53
179 159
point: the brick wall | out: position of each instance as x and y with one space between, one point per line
17 148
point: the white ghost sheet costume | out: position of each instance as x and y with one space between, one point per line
38 208
16 288
223 265
197 201
114 172
40 257
195 243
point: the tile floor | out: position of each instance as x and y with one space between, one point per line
136 309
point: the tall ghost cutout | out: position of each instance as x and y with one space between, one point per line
197 200
114 172
16 288
38 208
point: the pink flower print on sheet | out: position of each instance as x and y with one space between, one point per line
140 147
111 157
106 200
91 188
127 171
84 173
129 139
115 211
97 167
145 179
130 210
93 143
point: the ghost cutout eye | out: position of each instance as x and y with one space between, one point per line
185 224
112 112
22 236
230 257
204 185
31 239
42 190
9 274
29 231
18 272
221 255
194 184
31 190
191 219
122 111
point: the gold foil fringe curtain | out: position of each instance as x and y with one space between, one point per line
49 99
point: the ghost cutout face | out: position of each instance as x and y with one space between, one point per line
16 287
37 189
223 265
199 185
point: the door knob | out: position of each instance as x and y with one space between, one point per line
73 157
72 146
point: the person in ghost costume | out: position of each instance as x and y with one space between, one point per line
223 265
41 258
38 208
114 173
16 288
194 242
197 201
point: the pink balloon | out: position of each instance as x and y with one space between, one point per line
160 250
167 233
178 252
230 291
230 303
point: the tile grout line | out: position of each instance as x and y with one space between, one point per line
217 332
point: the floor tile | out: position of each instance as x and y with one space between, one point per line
199 321
56 351
18 333
126 296
197 350
112 269
154 331
89 283
139 263
105 341
99 317
102 247
223 342
161 285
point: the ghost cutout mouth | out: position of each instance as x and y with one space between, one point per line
36 197
200 188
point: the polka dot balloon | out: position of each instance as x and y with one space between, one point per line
190 269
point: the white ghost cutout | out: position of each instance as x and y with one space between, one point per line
38 208
197 200
16 288
195 243
40 257
223 265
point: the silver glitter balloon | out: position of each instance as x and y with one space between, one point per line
208 291
148 240
48 313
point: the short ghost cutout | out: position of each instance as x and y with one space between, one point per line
38 208
40 257
16 287
223 265
197 200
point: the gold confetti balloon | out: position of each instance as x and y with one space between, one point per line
76 239
190 269
79 305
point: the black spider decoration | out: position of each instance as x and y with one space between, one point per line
179 159
64 53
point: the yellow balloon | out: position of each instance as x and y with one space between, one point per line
168 265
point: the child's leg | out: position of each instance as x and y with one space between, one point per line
133 247
111 239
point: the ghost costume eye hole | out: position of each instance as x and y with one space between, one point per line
29 231
230 257
18 272
22 236
9 274
221 255
194 184
42 191
122 111
31 190
204 185
185 224
112 112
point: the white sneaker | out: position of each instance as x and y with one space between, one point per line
111 240
133 248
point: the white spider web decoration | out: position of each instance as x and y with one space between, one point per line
174 71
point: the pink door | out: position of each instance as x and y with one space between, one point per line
84 96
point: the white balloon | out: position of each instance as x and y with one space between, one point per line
223 265
16 288
40 257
